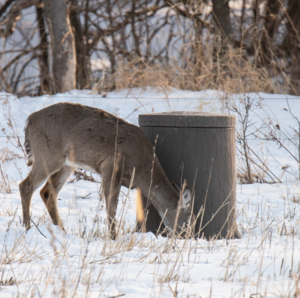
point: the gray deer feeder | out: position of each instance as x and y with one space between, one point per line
200 148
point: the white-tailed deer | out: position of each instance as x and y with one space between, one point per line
65 136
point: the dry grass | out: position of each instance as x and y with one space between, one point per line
203 71
4 183
82 175
8 157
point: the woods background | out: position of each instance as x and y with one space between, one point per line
241 46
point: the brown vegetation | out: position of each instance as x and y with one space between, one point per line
189 44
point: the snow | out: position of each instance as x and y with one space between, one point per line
84 262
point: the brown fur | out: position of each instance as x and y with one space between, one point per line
64 136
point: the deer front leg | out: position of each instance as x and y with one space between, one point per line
27 187
111 181
49 193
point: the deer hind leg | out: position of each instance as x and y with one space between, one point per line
111 181
49 193
35 178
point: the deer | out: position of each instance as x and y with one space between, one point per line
63 137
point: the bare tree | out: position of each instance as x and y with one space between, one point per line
43 57
271 23
62 45
80 31
7 28
292 42
221 17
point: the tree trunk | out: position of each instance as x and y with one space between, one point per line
62 45
270 27
43 56
221 17
82 55
292 43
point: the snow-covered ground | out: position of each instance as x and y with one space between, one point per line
84 262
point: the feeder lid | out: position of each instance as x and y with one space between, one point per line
187 119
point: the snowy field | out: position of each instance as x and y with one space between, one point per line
84 262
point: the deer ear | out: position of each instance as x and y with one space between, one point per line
186 198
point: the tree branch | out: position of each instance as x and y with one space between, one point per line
16 58
5 6
128 19
186 14
7 27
